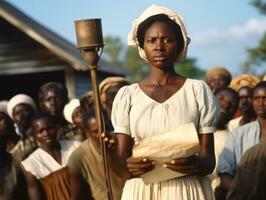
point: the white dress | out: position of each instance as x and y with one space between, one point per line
41 164
136 114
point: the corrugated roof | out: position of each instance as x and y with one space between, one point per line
52 41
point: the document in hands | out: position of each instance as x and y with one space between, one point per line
181 142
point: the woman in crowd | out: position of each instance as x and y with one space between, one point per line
7 129
45 169
86 165
73 114
21 108
161 102
243 138
108 88
228 102
218 77
243 85
12 180
52 97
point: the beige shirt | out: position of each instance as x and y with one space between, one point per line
88 163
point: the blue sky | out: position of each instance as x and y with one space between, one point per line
221 30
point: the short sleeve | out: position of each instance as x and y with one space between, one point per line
227 160
120 111
208 108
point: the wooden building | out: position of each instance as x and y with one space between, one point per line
31 55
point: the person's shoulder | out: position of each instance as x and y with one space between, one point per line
256 153
33 157
196 84
78 155
128 88
246 128
70 143
81 149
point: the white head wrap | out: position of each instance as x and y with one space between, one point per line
155 10
69 109
3 106
19 99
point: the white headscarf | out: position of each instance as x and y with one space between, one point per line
155 10
69 109
19 99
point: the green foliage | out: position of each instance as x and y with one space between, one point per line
257 56
113 49
137 67
189 69
260 5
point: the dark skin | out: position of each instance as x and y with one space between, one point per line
7 130
79 187
21 116
78 119
228 106
45 132
245 105
259 105
53 102
218 81
162 82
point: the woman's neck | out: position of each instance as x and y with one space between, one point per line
55 146
161 77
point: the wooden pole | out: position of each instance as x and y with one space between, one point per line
101 128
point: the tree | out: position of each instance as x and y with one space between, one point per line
257 56
113 49
137 66
189 69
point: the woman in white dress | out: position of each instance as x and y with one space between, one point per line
161 102
46 168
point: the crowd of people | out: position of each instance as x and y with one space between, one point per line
51 149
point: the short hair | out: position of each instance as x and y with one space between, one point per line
90 114
160 18
52 85
228 90
43 115
261 84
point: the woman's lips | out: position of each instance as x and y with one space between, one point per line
159 58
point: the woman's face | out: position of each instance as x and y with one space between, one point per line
228 104
45 131
22 114
53 101
3 123
160 45
77 118
245 100
259 102
217 81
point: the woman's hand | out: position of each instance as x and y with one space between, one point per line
139 166
183 165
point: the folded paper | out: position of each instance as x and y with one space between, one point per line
181 142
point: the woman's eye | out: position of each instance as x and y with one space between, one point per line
168 40
151 40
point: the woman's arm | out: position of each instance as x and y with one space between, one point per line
33 186
202 164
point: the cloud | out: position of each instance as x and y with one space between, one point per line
238 33
226 47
